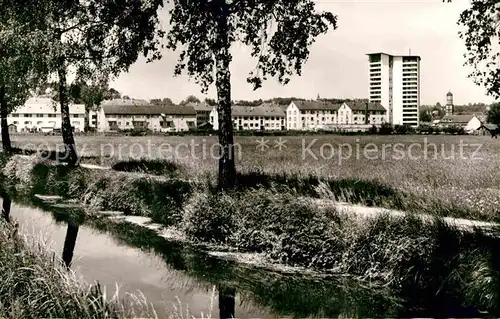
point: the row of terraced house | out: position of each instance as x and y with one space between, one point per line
306 115
298 115
41 114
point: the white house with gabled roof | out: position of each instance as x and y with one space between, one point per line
119 116
43 114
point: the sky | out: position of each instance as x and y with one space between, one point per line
338 65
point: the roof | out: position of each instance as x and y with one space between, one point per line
149 109
265 110
125 102
378 53
490 126
404 56
463 118
46 105
361 106
316 105
449 94
200 106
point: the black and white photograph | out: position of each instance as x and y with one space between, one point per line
249 159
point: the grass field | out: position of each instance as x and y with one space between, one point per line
462 171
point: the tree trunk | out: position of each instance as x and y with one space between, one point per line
67 130
227 168
69 243
227 296
4 111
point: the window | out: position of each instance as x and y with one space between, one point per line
28 115
52 115
15 115
16 122
39 115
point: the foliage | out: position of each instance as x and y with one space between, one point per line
386 129
481 35
211 102
278 32
156 167
90 95
494 114
280 50
165 101
21 69
98 38
112 94
403 129
425 116
190 99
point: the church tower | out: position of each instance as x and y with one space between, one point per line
449 104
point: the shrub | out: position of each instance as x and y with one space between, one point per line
209 218
154 166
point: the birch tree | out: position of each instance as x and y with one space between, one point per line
481 24
279 33
96 40
21 71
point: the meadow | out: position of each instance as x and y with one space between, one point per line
462 172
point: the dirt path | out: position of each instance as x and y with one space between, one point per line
371 212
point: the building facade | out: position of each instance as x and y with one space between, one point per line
395 84
259 118
156 118
202 112
362 113
311 115
43 114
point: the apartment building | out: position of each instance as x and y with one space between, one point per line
311 115
43 114
157 118
202 112
266 116
361 113
395 84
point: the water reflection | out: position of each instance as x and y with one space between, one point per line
6 206
69 243
227 296
279 294
98 257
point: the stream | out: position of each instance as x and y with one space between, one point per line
172 275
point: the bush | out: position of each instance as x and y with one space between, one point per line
154 166
386 129
290 231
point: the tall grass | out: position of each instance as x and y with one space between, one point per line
407 253
34 284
